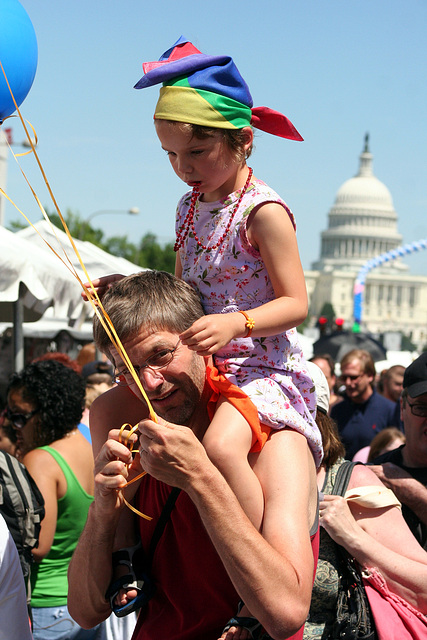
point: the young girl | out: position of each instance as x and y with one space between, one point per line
236 244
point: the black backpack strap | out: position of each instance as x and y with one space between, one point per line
161 523
343 478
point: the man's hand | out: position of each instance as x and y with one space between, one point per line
171 453
387 472
112 472
408 490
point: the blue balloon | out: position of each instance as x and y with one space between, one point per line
18 55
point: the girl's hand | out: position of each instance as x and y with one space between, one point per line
337 519
102 284
208 334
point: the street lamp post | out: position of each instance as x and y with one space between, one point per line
133 211
6 140
86 222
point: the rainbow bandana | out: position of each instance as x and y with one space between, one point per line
208 91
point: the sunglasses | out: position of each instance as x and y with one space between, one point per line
19 420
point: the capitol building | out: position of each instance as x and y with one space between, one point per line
362 224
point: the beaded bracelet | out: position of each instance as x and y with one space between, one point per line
249 324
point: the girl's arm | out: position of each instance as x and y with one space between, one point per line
379 539
44 470
270 231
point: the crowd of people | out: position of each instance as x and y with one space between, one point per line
215 517
44 409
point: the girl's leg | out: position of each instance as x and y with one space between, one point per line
228 441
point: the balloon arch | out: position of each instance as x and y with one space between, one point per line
359 285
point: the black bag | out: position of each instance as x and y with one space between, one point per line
22 507
354 619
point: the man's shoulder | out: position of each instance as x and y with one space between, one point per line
379 400
342 407
394 456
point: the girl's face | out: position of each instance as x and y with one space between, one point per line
208 163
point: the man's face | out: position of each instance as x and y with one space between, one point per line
415 452
357 382
394 386
175 390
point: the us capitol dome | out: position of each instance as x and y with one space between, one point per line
362 224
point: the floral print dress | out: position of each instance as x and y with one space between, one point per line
270 370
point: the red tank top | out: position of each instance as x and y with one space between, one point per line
194 596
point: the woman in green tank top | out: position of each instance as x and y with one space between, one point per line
45 404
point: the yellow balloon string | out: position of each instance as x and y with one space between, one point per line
90 292
129 444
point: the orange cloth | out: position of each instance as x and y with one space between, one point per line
221 386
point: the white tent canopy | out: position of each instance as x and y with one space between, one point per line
31 275
32 278
97 261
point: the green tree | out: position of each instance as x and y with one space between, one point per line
121 247
153 256
328 312
77 226
407 344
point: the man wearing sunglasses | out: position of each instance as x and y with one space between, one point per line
404 470
209 555
363 412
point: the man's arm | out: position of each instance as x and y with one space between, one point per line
408 490
273 578
90 570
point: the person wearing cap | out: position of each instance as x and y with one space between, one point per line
404 470
233 233
367 523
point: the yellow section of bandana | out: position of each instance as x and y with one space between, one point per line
185 104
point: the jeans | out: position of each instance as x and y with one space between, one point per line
55 623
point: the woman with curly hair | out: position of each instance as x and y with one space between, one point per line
45 402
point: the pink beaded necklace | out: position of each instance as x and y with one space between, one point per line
188 223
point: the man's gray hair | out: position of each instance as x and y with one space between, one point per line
149 300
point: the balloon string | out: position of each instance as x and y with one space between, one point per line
129 444
90 292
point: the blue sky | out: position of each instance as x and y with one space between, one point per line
337 68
